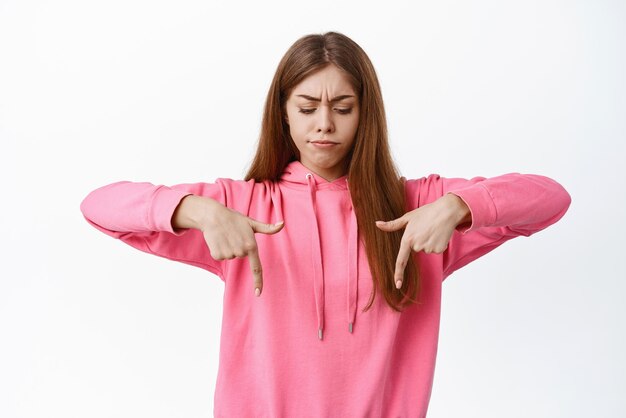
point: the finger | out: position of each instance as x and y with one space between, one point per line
401 262
392 225
257 271
266 228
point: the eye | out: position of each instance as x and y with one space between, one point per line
341 111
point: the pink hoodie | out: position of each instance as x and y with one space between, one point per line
305 348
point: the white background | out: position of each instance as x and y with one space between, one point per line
172 92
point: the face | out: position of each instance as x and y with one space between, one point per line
323 116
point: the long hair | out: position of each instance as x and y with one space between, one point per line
376 188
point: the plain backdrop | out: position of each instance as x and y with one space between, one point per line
173 92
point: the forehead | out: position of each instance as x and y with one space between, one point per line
328 81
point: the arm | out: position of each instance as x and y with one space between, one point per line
142 215
190 223
501 208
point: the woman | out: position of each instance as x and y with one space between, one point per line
348 320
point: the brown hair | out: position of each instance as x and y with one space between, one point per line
376 188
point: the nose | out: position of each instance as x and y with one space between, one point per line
325 120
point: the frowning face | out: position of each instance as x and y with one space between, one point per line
323 117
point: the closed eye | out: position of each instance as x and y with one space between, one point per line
340 111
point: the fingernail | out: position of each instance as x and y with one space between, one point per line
398 284
257 291
279 223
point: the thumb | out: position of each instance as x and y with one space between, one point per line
266 228
392 225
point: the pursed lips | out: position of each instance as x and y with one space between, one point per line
323 142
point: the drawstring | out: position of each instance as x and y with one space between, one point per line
318 271
352 269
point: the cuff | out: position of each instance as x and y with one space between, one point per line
162 209
480 204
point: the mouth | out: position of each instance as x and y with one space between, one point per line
323 142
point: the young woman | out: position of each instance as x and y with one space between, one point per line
328 309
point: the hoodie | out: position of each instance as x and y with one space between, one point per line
305 348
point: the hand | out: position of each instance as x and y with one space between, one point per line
428 228
230 234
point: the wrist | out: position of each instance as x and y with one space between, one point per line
460 213
192 212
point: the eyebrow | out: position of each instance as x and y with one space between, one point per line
316 99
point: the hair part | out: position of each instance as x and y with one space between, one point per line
376 187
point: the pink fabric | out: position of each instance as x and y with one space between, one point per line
317 281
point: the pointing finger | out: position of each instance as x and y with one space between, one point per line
401 261
266 228
392 225
257 270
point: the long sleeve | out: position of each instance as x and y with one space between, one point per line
140 215
502 208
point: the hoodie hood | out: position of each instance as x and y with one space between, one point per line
300 177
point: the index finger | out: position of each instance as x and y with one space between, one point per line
401 261
257 270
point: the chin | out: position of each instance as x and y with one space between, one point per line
325 162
